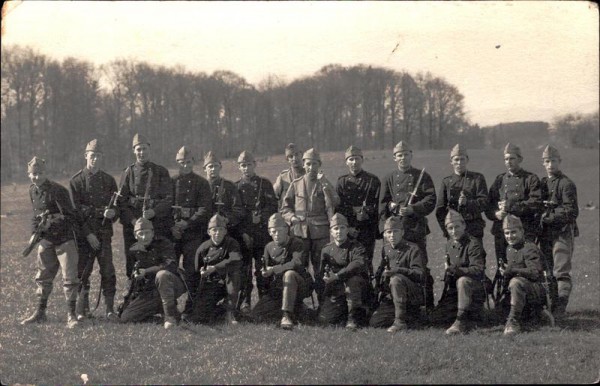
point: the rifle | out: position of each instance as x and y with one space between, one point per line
414 192
113 200
37 236
462 189
219 199
147 192
447 279
135 287
499 284
257 205
380 282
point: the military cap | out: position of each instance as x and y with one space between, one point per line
138 139
453 216
337 220
276 221
245 156
36 165
142 224
353 151
291 149
393 222
511 221
183 153
550 152
94 146
312 154
217 221
401 146
512 149
458 150
210 158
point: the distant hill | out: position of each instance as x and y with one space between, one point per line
522 134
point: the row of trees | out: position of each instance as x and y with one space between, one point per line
53 108
577 130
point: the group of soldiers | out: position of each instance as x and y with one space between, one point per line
212 239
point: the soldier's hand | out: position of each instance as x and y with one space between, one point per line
44 225
200 211
176 232
362 215
93 241
320 175
182 224
387 273
139 274
406 211
296 220
462 199
110 214
148 214
392 206
208 271
331 278
256 217
267 272
546 219
502 205
247 240
500 215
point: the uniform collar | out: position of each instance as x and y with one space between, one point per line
344 244
518 245
43 186
555 176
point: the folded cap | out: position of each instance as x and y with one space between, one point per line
276 221
453 216
183 154
245 157
217 221
210 158
94 146
291 149
394 222
142 224
337 220
401 146
312 154
353 151
36 165
550 152
512 149
511 221
458 150
138 139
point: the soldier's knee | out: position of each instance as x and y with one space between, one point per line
464 282
289 276
398 280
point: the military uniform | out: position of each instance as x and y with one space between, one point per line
359 196
92 192
473 186
191 192
136 180
522 193
313 202
159 288
56 249
285 178
559 228
258 203
226 202
348 262
223 284
407 267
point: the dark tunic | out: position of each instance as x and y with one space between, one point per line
562 192
360 192
190 192
55 198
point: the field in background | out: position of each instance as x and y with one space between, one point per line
110 353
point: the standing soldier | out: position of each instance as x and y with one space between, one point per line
516 192
308 206
558 224
359 198
259 203
402 267
219 262
465 192
156 282
285 178
345 274
409 193
191 212
147 192
53 216
94 194
523 273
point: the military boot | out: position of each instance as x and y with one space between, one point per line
111 315
398 326
287 321
83 305
171 314
512 327
231 318
72 321
39 315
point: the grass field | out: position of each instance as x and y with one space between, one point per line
141 354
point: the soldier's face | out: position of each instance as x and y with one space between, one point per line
513 235
311 166
279 234
552 165
339 233
459 163
354 164
512 162
92 159
403 159
144 236
217 234
213 169
37 178
295 160
247 168
393 236
142 152
186 166
456 229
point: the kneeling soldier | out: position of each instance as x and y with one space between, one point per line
53 216
523 273
463 279
344 273
219 261
287 282
403 264
155 280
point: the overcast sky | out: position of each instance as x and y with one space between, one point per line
511 60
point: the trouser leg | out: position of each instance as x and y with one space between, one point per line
191 276
170 287
48 266
108 277
562 252
316 245
68 259
128 241
291 282
518 297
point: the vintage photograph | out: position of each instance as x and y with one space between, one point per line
308 192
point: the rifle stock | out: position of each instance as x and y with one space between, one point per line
37 236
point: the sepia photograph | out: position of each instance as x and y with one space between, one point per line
303 192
